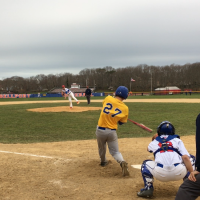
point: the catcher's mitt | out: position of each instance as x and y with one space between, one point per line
154 136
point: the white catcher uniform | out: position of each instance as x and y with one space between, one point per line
168 165
70 96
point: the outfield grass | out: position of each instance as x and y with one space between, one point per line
20 126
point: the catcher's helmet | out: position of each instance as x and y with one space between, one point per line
63 86
165 128
122 91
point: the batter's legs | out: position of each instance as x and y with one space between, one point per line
114 148
101 141
109 137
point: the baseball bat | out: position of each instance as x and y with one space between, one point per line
141 126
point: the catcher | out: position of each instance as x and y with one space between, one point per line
66 92
172 160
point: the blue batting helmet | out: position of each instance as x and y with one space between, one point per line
165 128
122 92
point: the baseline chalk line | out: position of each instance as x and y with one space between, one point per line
28 154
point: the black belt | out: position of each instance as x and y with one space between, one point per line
161 165
102 128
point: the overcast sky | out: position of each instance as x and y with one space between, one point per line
60 36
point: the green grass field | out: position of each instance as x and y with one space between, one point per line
17 125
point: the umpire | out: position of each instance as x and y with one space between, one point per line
88 94
190 189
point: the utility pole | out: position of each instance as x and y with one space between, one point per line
151 82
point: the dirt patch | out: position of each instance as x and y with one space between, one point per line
64 109
70 170
100 100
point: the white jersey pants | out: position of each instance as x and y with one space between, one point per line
70 97
167 173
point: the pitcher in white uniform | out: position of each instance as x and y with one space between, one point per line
66 92
172 160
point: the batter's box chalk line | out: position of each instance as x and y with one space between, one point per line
136 166
33 155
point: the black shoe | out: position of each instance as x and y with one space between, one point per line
103 164
145 193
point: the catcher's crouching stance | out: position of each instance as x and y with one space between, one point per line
172 160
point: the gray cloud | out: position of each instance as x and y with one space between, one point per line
43 37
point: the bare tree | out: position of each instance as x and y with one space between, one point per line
146 78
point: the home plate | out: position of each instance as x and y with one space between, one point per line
136 166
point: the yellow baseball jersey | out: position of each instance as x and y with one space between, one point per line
112 112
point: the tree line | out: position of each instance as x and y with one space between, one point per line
146 78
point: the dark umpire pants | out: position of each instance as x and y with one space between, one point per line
189 190
88 98
198 143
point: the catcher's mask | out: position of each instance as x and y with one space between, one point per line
165 128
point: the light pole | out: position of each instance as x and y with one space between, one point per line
86 82
151 82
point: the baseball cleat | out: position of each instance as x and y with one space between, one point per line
103 164
146 192
124 166
70 107
78 102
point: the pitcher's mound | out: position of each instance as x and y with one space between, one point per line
64 109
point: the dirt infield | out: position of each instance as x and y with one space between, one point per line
64 109
70 171
127 100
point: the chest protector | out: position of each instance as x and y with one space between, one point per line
166 145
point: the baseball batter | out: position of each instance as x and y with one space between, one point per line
114 112
172 160
66 92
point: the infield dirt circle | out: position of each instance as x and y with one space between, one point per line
70 170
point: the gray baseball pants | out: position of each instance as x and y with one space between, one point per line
189 190
109 137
